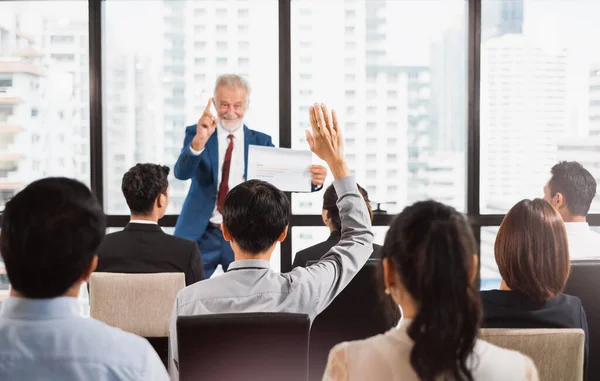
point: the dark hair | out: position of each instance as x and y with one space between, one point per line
141 186
50 233
255 213
576 184
531 250
431 248
330 204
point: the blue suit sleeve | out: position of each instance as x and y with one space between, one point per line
187 163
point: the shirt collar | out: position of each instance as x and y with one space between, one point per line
572 227
261 263
143 222
39 309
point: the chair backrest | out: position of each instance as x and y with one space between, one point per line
557 352
361 310
244 346
584 283
137 303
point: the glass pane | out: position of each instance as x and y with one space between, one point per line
395 71
540 95
44 93
159 69
490 276
306 236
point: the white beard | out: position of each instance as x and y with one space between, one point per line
231 125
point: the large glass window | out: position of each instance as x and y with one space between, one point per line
159 71
540 95
396 73
44 93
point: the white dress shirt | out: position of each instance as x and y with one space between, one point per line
143 222
236 170
308 290
46 339
583 242
387 357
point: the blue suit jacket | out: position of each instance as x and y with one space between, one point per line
203 170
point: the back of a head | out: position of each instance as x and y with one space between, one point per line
576 184
142 184
255 213
330 205
431 248
50 233
531 250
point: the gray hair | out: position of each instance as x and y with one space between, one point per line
232 80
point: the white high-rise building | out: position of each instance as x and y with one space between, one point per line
37 115
523 117
65 46
594 103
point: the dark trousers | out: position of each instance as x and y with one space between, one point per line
214 250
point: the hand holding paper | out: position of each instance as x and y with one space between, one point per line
326 140
287 169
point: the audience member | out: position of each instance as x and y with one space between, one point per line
571 191
532 254
142 247
50 233
331 218
429 267
255 219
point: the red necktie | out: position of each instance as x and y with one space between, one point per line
224 187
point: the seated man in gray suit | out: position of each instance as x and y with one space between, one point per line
255 218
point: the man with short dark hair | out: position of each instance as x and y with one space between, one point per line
331 219
50 233
255 218
142 247
571 190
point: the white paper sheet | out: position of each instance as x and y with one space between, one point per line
287 169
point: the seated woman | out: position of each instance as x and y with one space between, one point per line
331 218
532 254
429 264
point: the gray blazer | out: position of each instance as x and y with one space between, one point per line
251 286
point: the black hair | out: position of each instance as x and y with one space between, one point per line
431 246
330 205
141 186
50 233
576 184
255 213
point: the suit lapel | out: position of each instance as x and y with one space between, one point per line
249 139
212 145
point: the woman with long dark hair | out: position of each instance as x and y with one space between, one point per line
430 263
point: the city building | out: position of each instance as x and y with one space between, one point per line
523 117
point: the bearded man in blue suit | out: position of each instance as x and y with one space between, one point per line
215 157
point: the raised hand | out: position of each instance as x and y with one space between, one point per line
326 139
204 128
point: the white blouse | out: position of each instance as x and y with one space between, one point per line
387 357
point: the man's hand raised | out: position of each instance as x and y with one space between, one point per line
326 140
204 128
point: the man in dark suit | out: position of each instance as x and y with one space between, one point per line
142 247
215 157
331 218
